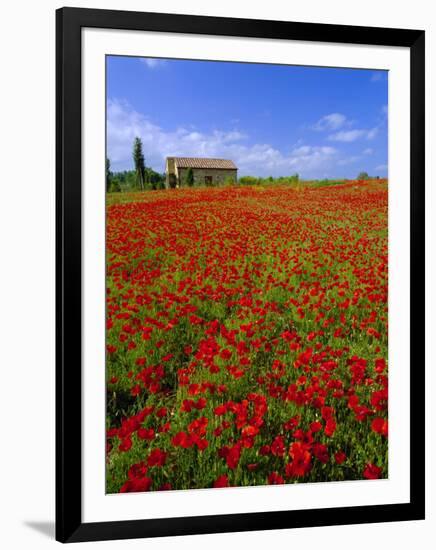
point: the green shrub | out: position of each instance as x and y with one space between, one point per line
248 180
115 186
189 180
363 176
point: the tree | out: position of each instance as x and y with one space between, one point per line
154 179
248 180
115 185
363 176
138 159
190 177
108 174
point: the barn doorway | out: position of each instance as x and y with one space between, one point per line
208 180
172 181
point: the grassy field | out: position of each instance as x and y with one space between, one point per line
246 336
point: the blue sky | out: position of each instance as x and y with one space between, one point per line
269 119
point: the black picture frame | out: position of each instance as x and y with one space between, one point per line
69 525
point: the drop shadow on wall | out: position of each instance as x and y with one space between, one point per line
46 528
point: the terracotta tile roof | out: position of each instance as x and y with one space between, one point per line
190 162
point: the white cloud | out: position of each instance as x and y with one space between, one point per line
333 121
302 150
381 168
310 157
368 151
262 159
152 62
348 160
348 136
370 134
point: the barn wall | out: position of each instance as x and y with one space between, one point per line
170 169
218 176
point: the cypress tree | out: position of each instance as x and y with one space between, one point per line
190 177
108 174
138 159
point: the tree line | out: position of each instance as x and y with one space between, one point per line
295 180
141 178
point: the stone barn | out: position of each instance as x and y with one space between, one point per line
206 171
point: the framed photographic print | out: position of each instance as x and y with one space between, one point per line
240 274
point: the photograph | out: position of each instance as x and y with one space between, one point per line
218 306
246 274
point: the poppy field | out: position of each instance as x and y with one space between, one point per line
246 336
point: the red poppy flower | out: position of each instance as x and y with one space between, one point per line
278 446
330 427
301 461
182 439
136 485
157 457
380 365
164 428
136 390
220 410
265 450
275 479
320 452
146 433
201 443
162 412
250 431
380 426
327 412
125 445
186 405
200 404
137 470
231 455
340 457
221 481
372 471
315 427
